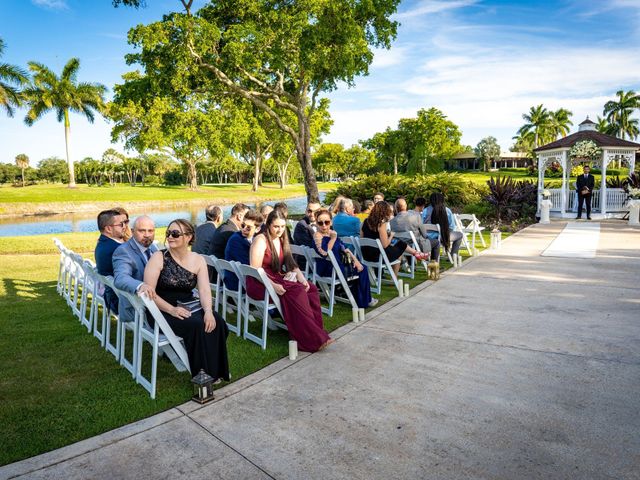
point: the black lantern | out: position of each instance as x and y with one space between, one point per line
202 387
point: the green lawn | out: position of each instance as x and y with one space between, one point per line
58 193
483 177
58 386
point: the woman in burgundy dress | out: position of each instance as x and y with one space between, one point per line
299 299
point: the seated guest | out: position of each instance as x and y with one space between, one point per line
129 261
126 235
344 223
375 227
205 232
111 224
439 214
334 208
299 299
282 208
305 228
410 221
420 203
265 210
378 197
173 274
239 244
366 210
228 228
326 239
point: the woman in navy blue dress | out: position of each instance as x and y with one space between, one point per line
326 239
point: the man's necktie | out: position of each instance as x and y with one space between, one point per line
147 253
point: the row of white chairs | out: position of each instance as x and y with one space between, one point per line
82 287
237 301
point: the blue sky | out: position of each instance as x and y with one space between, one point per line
482 62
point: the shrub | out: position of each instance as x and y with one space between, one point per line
512 200
457 190
153 180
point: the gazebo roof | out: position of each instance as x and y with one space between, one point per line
600 140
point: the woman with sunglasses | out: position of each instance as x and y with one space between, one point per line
326 239
375 227
174 274
299 299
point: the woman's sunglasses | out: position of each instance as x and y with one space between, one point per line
174 233
324 223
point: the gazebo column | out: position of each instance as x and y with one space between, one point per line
540 180
603 183
563 194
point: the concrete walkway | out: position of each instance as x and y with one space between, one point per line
514 366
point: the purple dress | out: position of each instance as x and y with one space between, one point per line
301 309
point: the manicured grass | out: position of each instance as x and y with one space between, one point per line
58 386
82 193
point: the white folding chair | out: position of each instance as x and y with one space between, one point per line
88 294
261 307
411 240
236 295
430 227
62 272
380 266
116 349
160 337
216 288
301 251
328 284
469 225
465 235
77 292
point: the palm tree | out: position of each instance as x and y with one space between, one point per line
538 121
603 126
560 122
618 114
64 94
22 161
11 77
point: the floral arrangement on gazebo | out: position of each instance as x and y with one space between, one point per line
586 151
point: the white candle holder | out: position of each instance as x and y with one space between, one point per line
355 315
293 349
400 288
406 289
361 314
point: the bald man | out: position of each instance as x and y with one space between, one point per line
129 262
410 221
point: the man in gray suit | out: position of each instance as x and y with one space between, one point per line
410 221
129 261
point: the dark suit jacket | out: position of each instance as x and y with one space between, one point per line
204 238
237 250
103 254
128 268
221 237
303 233
588 182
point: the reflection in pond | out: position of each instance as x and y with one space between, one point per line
83 222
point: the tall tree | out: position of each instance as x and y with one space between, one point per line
64 95
618 113
11 79
538 121
487 151
277 54
560 122
22 162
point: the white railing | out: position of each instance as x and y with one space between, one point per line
616 200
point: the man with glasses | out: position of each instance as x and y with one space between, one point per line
112 225
129 261
303 233
239 244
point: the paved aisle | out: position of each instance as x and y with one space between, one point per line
515 366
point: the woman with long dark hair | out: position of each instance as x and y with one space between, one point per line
299 299
437 213
375 227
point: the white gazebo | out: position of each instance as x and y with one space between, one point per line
606 202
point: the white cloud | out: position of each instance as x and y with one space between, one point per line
383 58
426 7
52 4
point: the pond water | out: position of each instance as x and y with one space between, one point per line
83 222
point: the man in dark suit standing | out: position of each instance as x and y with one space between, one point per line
129 261
112 225
584 186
